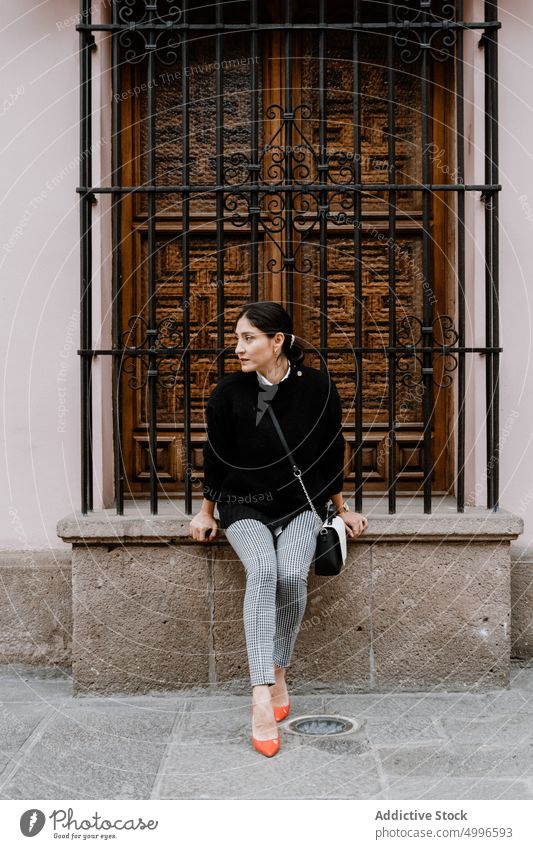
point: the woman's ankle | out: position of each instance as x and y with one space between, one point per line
261 692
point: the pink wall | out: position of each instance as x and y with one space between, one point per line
39 260
516 280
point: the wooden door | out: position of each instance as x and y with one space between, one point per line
296 225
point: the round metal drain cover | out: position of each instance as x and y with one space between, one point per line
322 726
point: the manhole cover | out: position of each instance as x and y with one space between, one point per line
322 726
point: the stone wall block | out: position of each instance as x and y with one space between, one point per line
141 617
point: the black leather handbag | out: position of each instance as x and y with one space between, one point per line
331 548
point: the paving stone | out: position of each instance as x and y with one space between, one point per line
507 701
364 704
158 702
17 722
430 705
492 731
457 788
88 752
467 760
237 771
403 729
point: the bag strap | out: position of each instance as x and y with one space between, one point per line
296 471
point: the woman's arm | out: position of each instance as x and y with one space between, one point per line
208 507
338 501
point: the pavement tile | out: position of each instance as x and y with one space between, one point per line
17 722
467 760
108 751
237 771
429 705
507 701
495 730
158 702
459 788
403 729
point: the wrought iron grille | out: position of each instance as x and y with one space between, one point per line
286 190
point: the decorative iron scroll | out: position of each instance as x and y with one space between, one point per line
166 337
410 363
148 30
433 32
297 166
136 44
136 13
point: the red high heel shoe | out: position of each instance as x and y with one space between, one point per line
282 712
265 747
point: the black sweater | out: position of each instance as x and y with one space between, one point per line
246 470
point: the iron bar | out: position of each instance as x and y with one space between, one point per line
312 187
426 276
152 283
219 153
461 276
491 257
185 100
85 172
254 157
358 268
288 121
391 242
344 26
116 283
323 196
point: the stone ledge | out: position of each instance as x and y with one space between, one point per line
171 525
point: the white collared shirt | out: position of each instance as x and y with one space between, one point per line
263 379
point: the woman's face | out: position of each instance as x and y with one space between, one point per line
256 350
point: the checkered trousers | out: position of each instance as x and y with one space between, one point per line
277 566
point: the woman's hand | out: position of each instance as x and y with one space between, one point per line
355 523
203 526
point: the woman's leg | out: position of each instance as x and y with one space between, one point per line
296 547
253 543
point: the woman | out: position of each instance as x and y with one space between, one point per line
262 506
